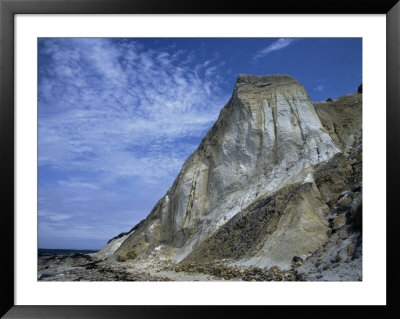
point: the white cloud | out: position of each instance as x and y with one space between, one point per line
103 97
77 184
275 46
54 217
319 88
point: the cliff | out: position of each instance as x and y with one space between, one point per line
262 188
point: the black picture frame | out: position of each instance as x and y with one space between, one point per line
8 8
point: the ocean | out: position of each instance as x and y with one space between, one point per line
43 252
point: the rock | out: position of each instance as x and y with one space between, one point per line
357 188
345 201
297 259
339 222
356 213
338 258
297 262
350 250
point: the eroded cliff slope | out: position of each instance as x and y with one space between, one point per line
262 187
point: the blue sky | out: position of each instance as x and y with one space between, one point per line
118 117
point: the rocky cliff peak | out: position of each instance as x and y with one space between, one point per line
265 79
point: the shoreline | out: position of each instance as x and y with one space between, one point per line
81 267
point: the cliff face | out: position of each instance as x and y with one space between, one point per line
255 192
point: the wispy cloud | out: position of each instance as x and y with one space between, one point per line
77 184
319 88
320 85
279 44
55 217
112 110
99 100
